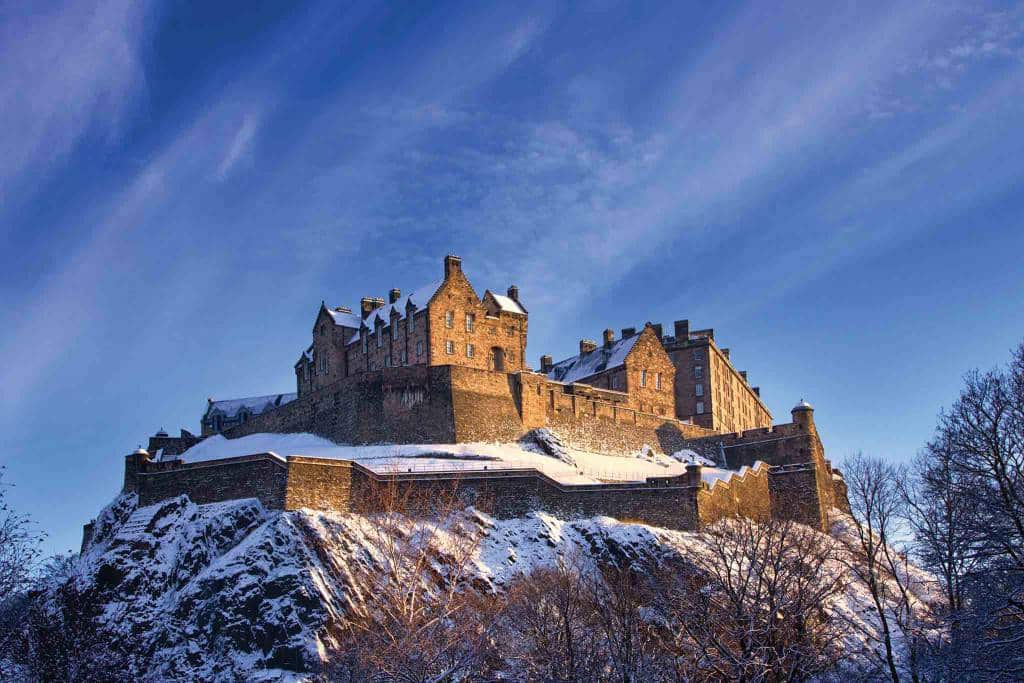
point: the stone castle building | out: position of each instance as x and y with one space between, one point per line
444 365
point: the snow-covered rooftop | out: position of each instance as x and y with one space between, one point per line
418 298
254 404
584 365
508 304
345 318
584 468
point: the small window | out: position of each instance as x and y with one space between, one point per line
643 378
657 380
419 348
323 331
449 347
700 407
698 371
411 323
394 329
470 320
380 337
449 319
698 389
469 350
364 342
405 357
696 355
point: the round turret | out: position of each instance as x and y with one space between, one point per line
803 414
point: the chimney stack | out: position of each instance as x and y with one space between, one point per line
394 295
757 391
546 363
513 293
609 338
657 329
587 345
682 329
628 332
452 265
743 374
725 352
369 304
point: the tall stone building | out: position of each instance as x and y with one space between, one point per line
702 385
441 323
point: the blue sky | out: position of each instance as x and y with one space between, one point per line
836 188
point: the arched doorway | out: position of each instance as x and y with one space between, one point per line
498 359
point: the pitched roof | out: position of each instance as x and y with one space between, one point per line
344 319
584 365
253 404
506 303
418 297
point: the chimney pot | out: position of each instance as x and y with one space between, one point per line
369 304
725 352
452 265
513 293
394 295
546 363
609 338
587 345
743 374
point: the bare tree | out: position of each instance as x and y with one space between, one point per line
20 552
753 607
411 615
548 624
969 519
619 601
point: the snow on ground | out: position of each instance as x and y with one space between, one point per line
584 468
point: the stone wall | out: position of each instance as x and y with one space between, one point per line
395 405
323 484
261 476
745 494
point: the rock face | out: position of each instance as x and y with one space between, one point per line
232 591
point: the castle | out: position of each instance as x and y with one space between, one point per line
443 365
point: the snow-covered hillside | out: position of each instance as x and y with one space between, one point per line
234 591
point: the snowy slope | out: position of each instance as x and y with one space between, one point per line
234 591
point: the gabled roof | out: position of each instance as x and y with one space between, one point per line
344 319
584 365
419 298
253 404
506 303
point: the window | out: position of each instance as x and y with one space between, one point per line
449 347
643 378
657 380
698 390
470 319
469 350
698 371
405 357
700 407
380 337
394 329
323 331
696 355
449 319
419 348
411 323
364 342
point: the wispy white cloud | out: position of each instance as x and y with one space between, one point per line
239 144
65 72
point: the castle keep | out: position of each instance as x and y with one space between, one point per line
444 365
